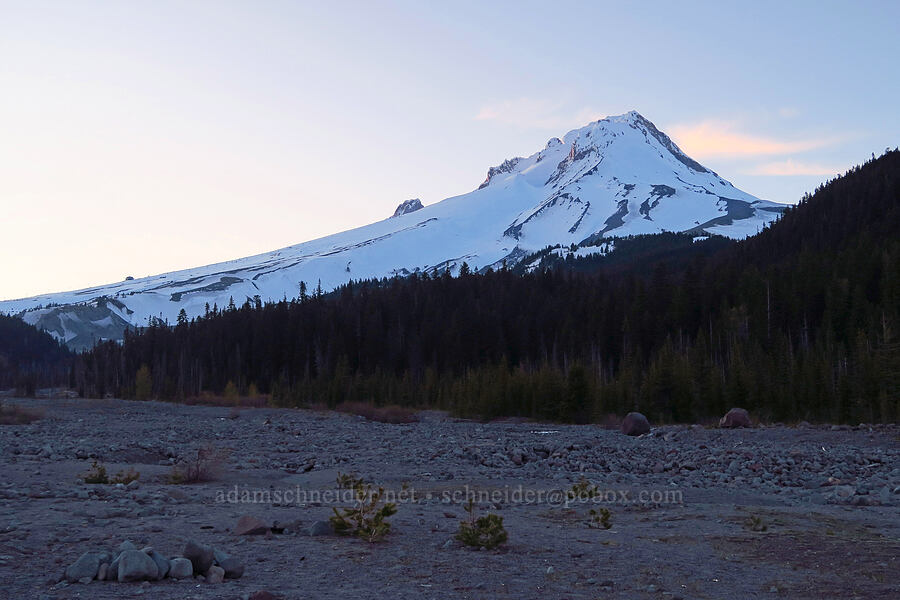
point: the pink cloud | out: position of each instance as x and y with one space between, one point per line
716 138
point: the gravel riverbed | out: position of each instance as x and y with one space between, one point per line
768 512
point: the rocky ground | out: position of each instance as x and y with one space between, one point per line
769 512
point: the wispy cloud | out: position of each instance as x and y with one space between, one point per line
788 112
536 113
791 167
725 139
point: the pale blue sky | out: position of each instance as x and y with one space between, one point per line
142 137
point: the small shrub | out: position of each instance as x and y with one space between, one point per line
583 490
204 466
600 518
486 531
125 477
367 519
96 474
755 523
143 383
349 481
231 393
383 414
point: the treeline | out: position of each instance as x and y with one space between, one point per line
798 322
30 358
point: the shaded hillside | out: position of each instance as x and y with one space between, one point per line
798 322
29 358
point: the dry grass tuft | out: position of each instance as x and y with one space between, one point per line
383 414
610 421
13 414
208 399
205 464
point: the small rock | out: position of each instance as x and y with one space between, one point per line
180 568
262 595
112 574
87 565
162 563
320 528
249 525
844 491
101 573
215 575
135 565
635 423
200 555
736 417
234 568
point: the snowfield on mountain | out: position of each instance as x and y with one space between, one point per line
615 177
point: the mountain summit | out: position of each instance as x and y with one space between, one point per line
614 177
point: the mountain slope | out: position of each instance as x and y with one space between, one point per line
799 322
617 176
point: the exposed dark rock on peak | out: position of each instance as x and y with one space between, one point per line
408 206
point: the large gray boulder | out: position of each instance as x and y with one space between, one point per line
635 423
736 417
135 565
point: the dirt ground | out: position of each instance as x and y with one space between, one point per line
770 512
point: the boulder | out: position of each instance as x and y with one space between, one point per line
219 556
112 573
248 525
135 565
87 565
180 568
736 417
200 555
234 568
320 528
635 423
162 563
215 575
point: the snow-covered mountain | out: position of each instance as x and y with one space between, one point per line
615 177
